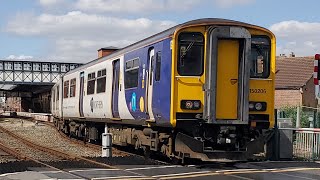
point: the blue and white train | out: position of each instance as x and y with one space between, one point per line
202 89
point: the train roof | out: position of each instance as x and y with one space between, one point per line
165 34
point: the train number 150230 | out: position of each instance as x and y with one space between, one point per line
258 91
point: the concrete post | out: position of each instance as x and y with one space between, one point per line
298 117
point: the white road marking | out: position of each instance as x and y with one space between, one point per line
154 167
301 177
7 174
117 177
240 177
180 174
86 170
236 170
50 171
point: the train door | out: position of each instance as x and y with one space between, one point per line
149 84
115 88
228 75
81 94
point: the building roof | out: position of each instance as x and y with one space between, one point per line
293 72
109 48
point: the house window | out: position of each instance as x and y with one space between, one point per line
91 83
73 87
66 89
158 66
101 81
131 73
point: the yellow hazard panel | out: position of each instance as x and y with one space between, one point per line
227 79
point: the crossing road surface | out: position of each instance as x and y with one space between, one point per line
241 171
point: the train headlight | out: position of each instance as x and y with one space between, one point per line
257 106
251 105
190 104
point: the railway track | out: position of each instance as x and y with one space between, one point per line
99 147
24 149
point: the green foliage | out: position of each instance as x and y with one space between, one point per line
291 112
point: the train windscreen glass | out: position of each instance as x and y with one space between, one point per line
190 54
260 57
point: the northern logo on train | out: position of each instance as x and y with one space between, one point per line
91 104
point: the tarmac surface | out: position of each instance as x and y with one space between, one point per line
253 170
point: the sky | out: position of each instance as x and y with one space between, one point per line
73 30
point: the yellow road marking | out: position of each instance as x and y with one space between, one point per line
295 169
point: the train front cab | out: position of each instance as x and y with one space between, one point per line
223 90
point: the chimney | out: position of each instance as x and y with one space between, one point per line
106 51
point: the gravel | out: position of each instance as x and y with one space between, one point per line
13 143
46 135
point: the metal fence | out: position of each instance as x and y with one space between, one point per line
305 143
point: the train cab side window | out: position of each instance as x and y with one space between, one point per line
73 87
101 81
190 54
131 73
91 83
260 57
158 66
66 89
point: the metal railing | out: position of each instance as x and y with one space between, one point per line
306 143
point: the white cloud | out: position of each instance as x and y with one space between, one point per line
231 3
76 36
19 57
302 38
47 3
135 6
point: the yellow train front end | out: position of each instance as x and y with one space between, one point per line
222 100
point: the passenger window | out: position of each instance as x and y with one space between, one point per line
66 89
131 74
101 81
158 66
73 87
190 54
260 57
91 83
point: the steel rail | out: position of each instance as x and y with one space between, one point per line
20 156
63 154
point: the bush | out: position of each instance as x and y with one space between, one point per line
291 112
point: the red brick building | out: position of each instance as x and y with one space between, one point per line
294 82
